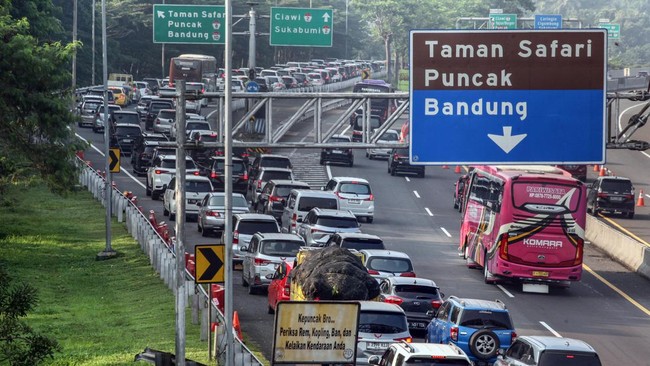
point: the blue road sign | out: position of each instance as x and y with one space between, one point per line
507 97
252 87
548 21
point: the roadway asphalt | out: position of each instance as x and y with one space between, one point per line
609 308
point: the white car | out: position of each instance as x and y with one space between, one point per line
355 195
389 137
164 121
316 79
200 89
161 171
196 187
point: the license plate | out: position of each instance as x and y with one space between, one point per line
337 151
191 201
126 140
617 199
356 202
377 345
540 274
417 325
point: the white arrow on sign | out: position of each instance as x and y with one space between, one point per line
507 142
161 14
326 17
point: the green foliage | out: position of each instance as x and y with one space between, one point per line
35 108
19 343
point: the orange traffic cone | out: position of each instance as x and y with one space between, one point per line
445 167
236 325
596 168
457 169
603 172
640 202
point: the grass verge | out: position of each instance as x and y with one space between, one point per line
100 312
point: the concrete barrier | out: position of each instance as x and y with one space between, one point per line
624 249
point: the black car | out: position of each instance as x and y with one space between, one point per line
125 117
268 161
459 192
611 194
239 175
337 155
124 136
357 126
143 153
152 111
578 171
398 162
420 298
200 153
264 87
274 195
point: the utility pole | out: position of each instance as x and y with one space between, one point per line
179 193
74 40
252 19
93 36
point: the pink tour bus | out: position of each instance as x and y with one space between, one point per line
524 223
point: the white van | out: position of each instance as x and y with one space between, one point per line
300 201
354 195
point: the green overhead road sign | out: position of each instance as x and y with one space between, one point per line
189 24
613 30
503 21
301 27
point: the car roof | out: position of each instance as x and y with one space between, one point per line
358 235
332 212
255 216
274 156
314 193
234 158
125 112
127 125
614 178
479 303
380 306
274 169
342 137
384 253
350 179
223 194
195 177
288 182
397 280
172 157
280 236
559 343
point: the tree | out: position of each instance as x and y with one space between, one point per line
35 138
19 343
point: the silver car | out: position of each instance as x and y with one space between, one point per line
247 224
355 195
212 211
547 351
319 224
380 324
164 120
263 254
389 137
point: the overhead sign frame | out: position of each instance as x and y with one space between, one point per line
315 332
189 24
554 106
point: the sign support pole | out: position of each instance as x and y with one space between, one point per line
227 232
179 192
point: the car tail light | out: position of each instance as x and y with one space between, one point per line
160 171
503 247
371 197
513 336
629 196
314 230
157 121
404 339
275 198
602 195
294 219
196 172
244 176
579 249
259 184
261 262
203 90
235 237
373 272
287 289
244 155
453 334
214 175
218 153
436 304
394 300
213 213
408 274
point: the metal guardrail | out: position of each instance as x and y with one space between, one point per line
159 247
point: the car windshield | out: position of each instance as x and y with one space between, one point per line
485 319
237 201
126 118
271 174
338 222
355 188
252 227
281 248
392 265
197 186
195 87
167 114
375 122
360 244
276 163
237 167
436 362
338 139
307 203
284 191
382 322
197 126
612 185
390 137
415 291
92 105
565 358
127 131
171 164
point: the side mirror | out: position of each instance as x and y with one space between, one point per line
243 249
299 219
374 360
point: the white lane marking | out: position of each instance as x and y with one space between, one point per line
505 291
550 329
121 170
329 172
416 194
428 211
211 113
407 179
445 231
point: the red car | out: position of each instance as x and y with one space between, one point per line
280 286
